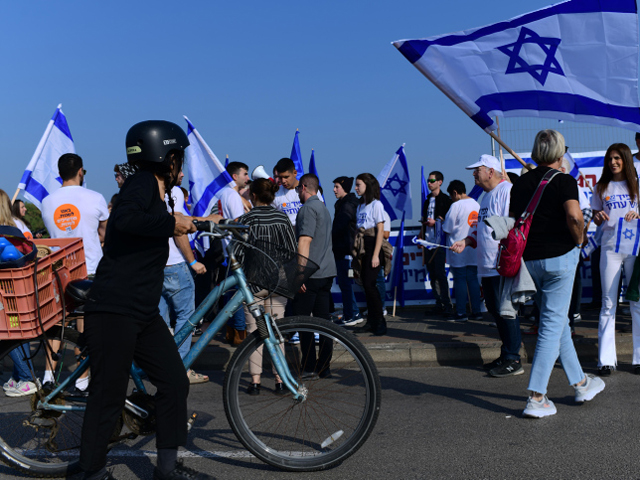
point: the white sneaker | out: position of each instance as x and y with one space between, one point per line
10 384
22 389
384 312
543 408
592 387
295 340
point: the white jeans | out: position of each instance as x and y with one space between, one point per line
610 269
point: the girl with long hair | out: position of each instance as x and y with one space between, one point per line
614 203
370 217
18 211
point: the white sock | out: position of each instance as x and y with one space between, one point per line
82 383
48 376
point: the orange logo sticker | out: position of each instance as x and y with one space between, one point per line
473 219
284 205
28 235
66 217
607 198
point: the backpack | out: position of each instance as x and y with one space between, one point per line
512 247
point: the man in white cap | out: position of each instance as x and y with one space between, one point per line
488 176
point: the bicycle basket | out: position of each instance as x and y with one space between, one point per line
274 268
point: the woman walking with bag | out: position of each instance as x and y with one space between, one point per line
614 203
370 217
551 260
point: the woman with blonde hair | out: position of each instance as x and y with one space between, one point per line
614 203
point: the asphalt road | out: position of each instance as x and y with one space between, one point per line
441 422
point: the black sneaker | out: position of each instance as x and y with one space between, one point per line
605 371
507 369
181 473
280 390
254 389
491 365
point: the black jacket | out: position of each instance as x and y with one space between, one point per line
344 225
443 204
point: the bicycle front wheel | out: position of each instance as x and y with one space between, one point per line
42 443
334 420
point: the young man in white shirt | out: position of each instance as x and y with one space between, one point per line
74 211
487 173
287 199
462 216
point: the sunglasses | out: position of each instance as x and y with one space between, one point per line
432 180
300 187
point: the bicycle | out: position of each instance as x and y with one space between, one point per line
317 424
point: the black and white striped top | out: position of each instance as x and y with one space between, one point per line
270 225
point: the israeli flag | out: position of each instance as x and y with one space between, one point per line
312 169
591 247
627 236
573 166
207 178
577 60
41 178
395 187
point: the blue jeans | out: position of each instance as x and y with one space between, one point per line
21 371
178 299
509 330
466 278
349 306
382 287
554 281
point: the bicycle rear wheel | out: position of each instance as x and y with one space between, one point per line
42 443
338 414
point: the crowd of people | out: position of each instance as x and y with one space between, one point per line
148 279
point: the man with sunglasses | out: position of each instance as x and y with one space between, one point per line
75 211
434 210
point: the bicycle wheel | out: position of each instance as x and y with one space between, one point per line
338 414
38 442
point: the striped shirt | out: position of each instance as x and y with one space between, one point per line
270 225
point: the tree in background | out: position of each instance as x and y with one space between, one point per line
34 217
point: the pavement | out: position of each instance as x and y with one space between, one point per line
416 337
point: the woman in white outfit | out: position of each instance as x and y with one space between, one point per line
614 203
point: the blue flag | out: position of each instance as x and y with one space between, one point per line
296 156
398 264
226 162
475 192
395 186
541 64
312 169
424 190
41 177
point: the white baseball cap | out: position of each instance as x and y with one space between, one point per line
488 161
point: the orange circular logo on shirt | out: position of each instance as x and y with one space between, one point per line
66 217
473 219
607 198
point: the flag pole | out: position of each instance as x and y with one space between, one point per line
508 149
505 177
395 294
15 195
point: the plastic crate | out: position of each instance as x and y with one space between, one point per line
18 309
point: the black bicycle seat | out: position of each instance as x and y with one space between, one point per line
78 291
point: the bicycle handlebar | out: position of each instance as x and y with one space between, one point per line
223 229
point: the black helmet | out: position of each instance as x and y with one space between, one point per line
150 141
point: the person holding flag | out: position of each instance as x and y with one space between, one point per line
615 207
434 210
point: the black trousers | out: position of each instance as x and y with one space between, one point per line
369 277
115 341
317 301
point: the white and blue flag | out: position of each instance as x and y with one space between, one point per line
207 177
627 237
577 60
41 178
591 246
395 187
296 156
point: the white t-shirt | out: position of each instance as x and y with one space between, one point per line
615 203
75 211
584 197
175 255
229 206
462 215
370 215
23 228
495 202
430 232
387 222
288 202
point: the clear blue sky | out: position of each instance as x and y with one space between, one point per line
247 74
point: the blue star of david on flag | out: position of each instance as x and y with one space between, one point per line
541 64
401 184
627 237
395 193
517 64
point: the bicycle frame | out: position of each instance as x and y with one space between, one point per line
243 294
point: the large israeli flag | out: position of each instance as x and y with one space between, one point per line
395 186
577 60
41 177
207 176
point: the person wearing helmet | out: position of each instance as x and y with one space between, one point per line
122 320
